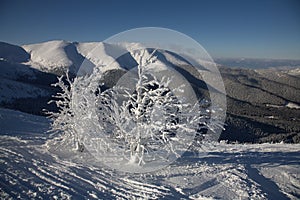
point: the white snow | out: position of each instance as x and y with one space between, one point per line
175 60
29 168
294 72
290 105
59 55
54 56
97 53
34 165
51 54
271 117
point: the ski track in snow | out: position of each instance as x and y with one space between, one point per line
28 170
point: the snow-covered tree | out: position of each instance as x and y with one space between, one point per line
151 122
76 103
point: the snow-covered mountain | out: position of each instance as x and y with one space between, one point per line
259 101
54 56
28 71
21 85
259 63
263 106
58 56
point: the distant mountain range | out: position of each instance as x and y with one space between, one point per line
252 63
263 102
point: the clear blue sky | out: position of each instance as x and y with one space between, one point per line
244 28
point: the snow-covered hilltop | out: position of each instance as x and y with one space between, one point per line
54 56
57 56
263 104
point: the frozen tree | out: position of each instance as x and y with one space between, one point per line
76 103
151 122
62 121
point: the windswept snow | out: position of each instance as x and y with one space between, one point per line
101 54
30 168
50 53
57 56
33 165
54 55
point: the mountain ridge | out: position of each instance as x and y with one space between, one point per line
262 103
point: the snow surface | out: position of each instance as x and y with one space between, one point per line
294 72
54 55
50 53
59 55
31 168
288 105
100 53
292 105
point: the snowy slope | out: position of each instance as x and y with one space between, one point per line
57 56
294 72
13 53
125 55
11 90
16 71
50 53
21 86
54 56
22 81
100 54
29 168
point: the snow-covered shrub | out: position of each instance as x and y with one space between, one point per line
149 123
68 121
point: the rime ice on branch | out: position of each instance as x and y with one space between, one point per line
152 122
